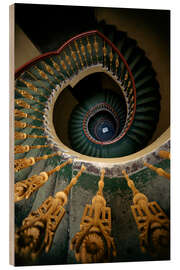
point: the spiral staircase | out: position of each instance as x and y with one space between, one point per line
105 88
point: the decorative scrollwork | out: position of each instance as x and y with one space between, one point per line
152 223
21 114
44 76
93 243
25 105
25 94
29 85
23 163
23 136
24 189
26 148
20 124
38 229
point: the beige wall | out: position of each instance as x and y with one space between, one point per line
24 48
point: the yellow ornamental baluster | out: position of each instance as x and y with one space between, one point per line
164 154
64 67
131 91
36 79
38 229
29 85
25 94
23 136
22 103
104 53
93 243
44 76
26 148
152 223
32 87
83 52
68 60
21 149
132 99
28 96
117 64
24 189
126 76
89 49
23 163
20 136
50 70
19 113
78 51
57 67
111 59
73 54
129 84
159 171
25 105
19 124
36 127
96 47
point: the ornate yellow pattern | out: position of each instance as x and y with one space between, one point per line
23 136
25 94
159 171
111 59
164 154
104 52
50 70
19 113
21 149
152 222
126 76
93 243
44 76
26 148
23 163
22 103
117 64
68 60
73 54
96 47
89 48
64 66
129 84
25 105
57 67
82 47
20 124
29 85
78 51
24 189
39 227
39 81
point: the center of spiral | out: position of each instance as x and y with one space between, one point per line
103 126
